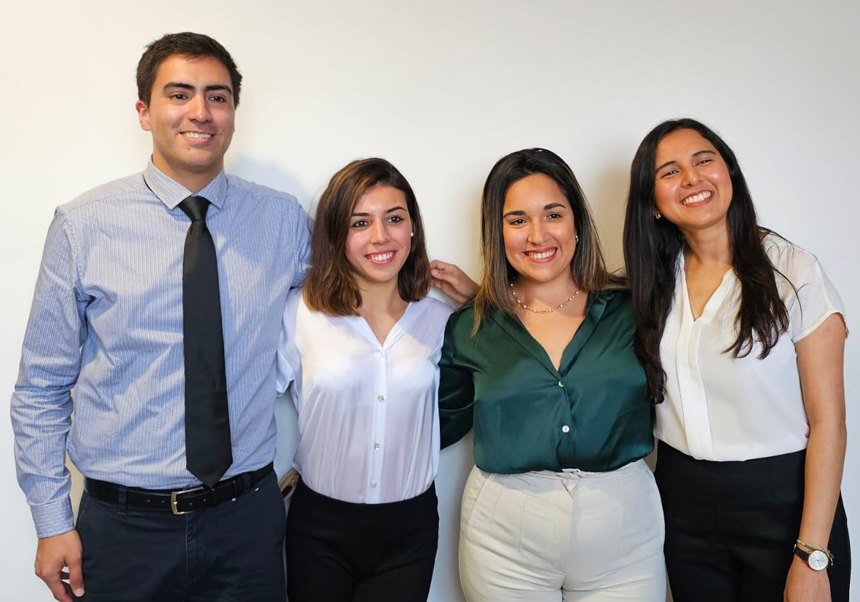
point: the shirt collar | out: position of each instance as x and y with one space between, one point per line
594 310
171 193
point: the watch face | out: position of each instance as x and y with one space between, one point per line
818 560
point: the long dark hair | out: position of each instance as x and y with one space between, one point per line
652 247
331 286
587 268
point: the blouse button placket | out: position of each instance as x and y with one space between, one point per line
380 412
694 400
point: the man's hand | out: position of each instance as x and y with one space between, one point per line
805 585
52 556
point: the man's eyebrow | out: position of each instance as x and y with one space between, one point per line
220 87
209 88
696 154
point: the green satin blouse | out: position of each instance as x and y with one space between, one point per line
592 414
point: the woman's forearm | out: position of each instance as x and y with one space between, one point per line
825 455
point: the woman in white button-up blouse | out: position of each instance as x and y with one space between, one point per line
360 347
741 335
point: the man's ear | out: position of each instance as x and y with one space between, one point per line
142 114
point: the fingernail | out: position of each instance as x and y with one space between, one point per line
434 272
79 592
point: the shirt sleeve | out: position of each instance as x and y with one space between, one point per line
302 238
813 298
289 360
41 404
456 390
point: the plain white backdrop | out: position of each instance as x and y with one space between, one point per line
442 89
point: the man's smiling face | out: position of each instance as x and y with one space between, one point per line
191 116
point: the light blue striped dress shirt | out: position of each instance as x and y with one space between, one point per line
106 321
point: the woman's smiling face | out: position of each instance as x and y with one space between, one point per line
692 186
379 238
538 229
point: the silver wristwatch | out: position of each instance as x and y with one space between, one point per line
818 559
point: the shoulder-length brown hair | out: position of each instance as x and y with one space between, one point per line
587 268
331 286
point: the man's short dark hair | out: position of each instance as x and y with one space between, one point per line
184 44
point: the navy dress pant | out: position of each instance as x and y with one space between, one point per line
230 553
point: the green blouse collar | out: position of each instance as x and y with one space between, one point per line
594 309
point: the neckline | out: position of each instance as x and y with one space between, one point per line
397 330
513 326
713 303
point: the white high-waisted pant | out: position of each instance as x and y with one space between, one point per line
574 535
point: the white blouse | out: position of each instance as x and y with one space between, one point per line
368 416
722 408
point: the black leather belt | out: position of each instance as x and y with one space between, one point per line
178 502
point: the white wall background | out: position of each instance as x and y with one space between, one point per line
442 89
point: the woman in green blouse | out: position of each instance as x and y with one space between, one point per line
560 505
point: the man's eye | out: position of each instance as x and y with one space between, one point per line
219 99
178 96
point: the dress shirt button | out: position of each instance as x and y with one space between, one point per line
380 397
376 445
382 353
560 384
373 484
565 429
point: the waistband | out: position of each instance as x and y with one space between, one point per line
328 504
180 501
791 462
567 474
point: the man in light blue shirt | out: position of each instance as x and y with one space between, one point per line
105 341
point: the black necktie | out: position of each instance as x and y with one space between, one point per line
207 423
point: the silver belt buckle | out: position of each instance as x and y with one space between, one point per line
173 500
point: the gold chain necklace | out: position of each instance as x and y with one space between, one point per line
542 311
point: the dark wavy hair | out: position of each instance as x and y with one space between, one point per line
652 247
587 268
188 44
330 286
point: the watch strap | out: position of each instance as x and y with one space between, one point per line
805 557
812 548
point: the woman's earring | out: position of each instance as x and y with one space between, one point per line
577 238
658 215
412 235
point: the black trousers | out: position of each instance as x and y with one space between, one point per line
232 552
343 552
731 527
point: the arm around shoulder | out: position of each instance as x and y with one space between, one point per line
456 383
